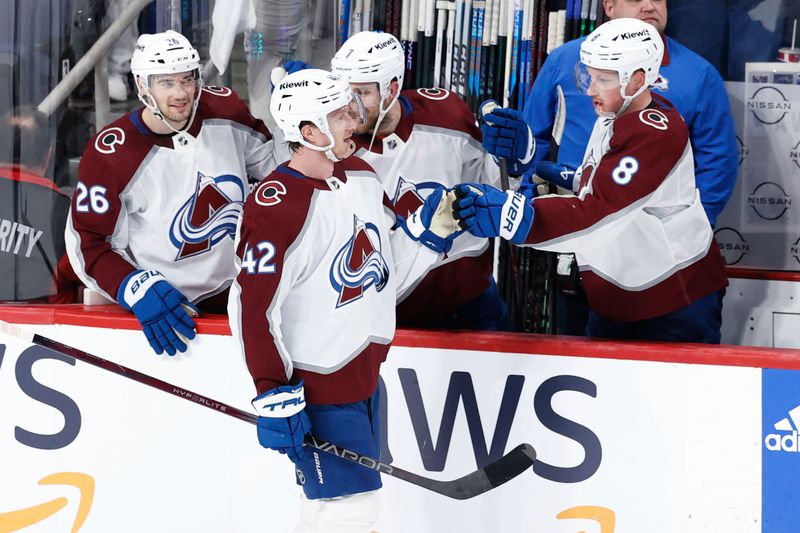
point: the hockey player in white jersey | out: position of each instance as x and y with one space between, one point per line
419 141
321 264
646 251
160 192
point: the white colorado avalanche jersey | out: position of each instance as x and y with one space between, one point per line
436 144
149 201
320 269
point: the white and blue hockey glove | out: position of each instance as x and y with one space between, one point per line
488 212
557 174
282 420
507 135
432 223
159 307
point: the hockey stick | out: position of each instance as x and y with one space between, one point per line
464 60
344 22
494 68
593 15
482 480
449 46
559 122
585 4
356 17
441 21
486 52
366 21
455 85
430 42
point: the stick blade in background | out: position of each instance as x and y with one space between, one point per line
561 116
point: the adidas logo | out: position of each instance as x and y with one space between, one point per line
787 440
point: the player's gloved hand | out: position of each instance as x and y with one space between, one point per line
530 187
557 174
507 135
488 212
160 309
432 223
281 71
282 420
294 65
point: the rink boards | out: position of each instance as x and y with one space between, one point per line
626 441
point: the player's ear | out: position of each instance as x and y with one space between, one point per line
637 80
608 6
139 84
311 133
394 89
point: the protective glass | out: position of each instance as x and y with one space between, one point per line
350 116
604 80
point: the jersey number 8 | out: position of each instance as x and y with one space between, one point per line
624 172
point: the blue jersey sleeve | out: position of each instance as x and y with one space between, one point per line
714 144
540 108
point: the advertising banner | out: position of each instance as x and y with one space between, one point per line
623 445
759 226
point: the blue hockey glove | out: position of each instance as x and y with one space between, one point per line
159 307
507 135
432 223
488 212
280 72
557 174
293 66
282 420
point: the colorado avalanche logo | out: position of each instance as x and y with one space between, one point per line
269 193
408 196
406 199
434 94
359 264
654 118
209 216
219 91
106 142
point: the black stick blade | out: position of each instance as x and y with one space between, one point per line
494 474
483 480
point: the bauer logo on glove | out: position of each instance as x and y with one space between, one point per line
488 212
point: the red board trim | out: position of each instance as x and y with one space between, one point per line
769 275
113 317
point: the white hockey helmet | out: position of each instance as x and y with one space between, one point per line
625 45
371 56
309 96
168 52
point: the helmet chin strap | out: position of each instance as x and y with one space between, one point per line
626 101
381 116
327 149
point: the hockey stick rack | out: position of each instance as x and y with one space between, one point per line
482 480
